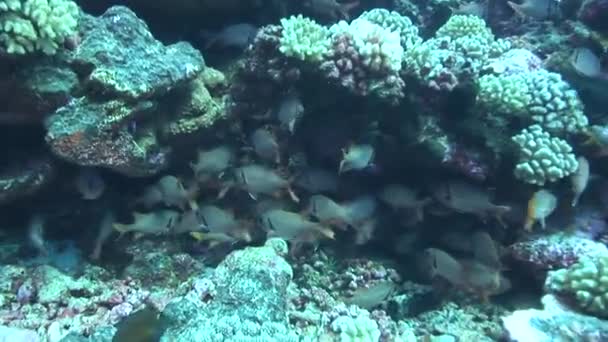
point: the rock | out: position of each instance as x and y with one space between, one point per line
118 55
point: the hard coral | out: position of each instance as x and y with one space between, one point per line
28 26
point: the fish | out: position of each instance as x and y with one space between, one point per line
597 137
360 209
400 197
144 325
212 163
174 194
90 184
265 145
536 9
188 221
579 179
485 250
540 206
105 230
478 9
316 180
237 36
290 111
586 63
331 9
291 226
327 211
370 297
464 197
156 222
468 275
257 179
219 221
356 157
214 239
35 234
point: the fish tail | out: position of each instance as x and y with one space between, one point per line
575 200
293 195
529 223
198 236
517 8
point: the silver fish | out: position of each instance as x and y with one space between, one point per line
257 179
233 36
537 9
290 226
467 198
586 63
212 162
327 211
265 145
400 197
290 111
156 222
356 157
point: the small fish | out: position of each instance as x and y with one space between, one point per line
237 36
315 180
540 206
370 297
586 63
220 221
290 111
35 234
331 9
537 9
144 325
478 9
188 221
156 222
327 211
106 229
212 163
257 179
356 157
265 145
90 184
290 226
174 194
463 197
579 179
400 197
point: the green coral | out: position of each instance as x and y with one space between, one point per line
304 39
356 329
394 22
541 96
586 282
458 51
28 26
542 158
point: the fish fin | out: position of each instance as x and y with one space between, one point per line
252 196
327 232
224 191
517 8
193 205
293 195
574 201
198 236
120 227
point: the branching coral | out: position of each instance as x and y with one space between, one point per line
304 39
27 26
543 158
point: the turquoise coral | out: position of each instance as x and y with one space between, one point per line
542 158
28 26
586 282
304 39
394 22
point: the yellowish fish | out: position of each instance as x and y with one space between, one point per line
540 206
579 179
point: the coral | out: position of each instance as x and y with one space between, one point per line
553 323
457 53
542 158
28 26
555 251
352 329
365 58
585 283
98 134
394 22
249 301
304 39
25 178
119 56
196 110
540 96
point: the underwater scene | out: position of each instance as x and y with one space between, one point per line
303 170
